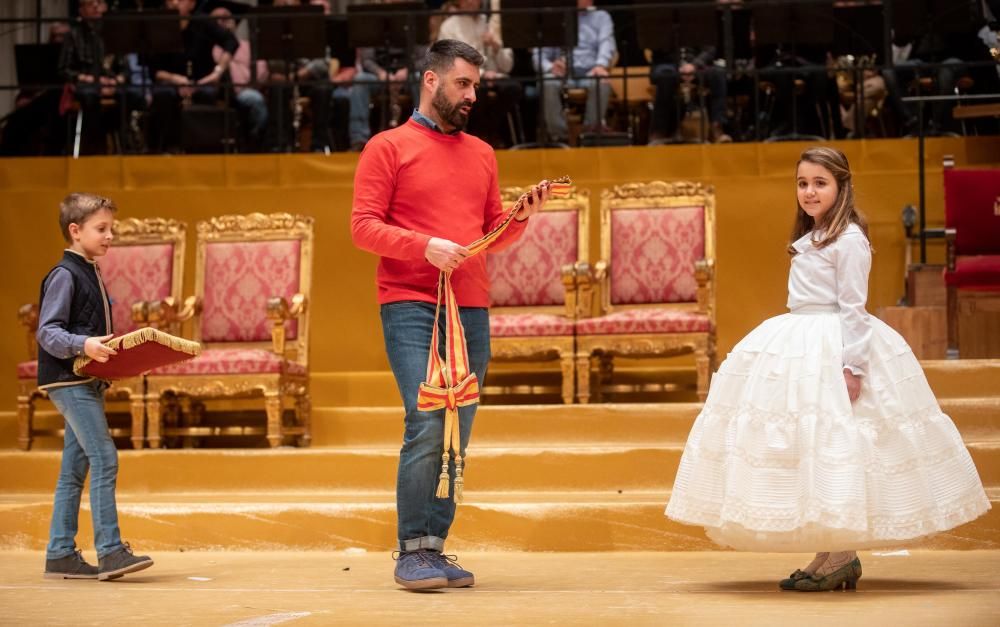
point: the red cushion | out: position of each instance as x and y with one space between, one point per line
982 272
529 271
633 321
969 208
27 370
529 325
232 361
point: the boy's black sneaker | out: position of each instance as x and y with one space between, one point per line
70 567
121 562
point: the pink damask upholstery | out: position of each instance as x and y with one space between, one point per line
529 325
529 271
653 254
633 321
27 369
135 273
232 361
239 278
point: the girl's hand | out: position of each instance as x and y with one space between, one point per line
95 348
853 382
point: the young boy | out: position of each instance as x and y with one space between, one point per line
75 319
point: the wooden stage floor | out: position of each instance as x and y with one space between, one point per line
933 588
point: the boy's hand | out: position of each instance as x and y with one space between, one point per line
95 348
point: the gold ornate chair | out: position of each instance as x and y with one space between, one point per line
250 310
144 264
533 286
656 280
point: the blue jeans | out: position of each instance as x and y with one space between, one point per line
364 87
252 103
424 519
86 445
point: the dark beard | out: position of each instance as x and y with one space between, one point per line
450 113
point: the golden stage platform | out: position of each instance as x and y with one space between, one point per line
923 588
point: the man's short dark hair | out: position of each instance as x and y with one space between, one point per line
441 56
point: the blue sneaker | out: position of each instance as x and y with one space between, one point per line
418 570
457 576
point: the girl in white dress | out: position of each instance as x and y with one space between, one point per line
820 430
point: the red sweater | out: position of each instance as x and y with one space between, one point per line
414 183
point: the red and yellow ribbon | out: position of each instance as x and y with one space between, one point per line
450 381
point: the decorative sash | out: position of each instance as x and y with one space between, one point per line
450 381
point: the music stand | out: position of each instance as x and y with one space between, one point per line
796 24
810 24
667 28
554 27
143 33
942 17
395 25
37 65
289 34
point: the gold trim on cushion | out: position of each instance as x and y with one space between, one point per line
138 337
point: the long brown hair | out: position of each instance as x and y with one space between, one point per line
835 221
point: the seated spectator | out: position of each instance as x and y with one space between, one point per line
192 75
498 95
249 100
951 51
592 58
312 79
93 76
678 77
381 69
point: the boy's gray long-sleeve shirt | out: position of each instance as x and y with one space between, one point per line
53 317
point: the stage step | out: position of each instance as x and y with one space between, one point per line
593 466
524 521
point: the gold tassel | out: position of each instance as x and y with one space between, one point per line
442 491
459 481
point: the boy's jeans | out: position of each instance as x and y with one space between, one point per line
423 519
86 445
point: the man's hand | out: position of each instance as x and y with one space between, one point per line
445 255
853 382
536 199
598 70
559 67
95 348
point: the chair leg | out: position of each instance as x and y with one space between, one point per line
137 405
567 362
272 403
25 417
155 420
583 379
303 407
952 312
702 364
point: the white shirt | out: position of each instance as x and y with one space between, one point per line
471 29
837 277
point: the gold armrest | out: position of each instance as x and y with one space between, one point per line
704 273
140 312
601 277
585 280
27 316
164 314
949 238
278 311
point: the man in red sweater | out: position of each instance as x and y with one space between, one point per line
420 191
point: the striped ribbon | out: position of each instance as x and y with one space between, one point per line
450 381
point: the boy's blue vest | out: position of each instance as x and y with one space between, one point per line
87 316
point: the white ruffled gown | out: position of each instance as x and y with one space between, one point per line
780 460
